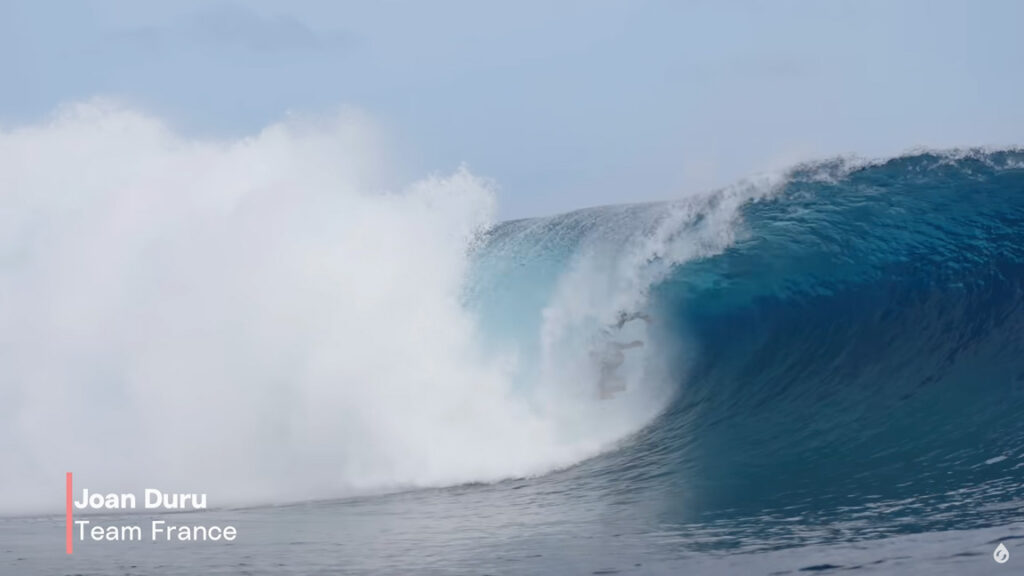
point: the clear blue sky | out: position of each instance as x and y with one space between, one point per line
564 104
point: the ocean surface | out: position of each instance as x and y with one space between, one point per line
831 381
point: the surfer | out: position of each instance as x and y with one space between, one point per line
609 356
609 359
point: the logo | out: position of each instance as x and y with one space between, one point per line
1001 554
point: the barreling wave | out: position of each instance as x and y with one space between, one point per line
857 345
188 313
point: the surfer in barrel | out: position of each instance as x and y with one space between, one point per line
609 359
611 355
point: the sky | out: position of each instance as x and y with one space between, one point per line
562 104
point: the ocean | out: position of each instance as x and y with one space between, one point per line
829 380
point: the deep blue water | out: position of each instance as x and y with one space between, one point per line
861 351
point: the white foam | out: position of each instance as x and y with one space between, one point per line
246 318
253 319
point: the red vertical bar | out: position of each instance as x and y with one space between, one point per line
67 518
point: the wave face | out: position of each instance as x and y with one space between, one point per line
855 345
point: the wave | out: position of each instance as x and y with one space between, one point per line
257 320
860 349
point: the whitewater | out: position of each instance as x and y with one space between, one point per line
830 378
200 312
